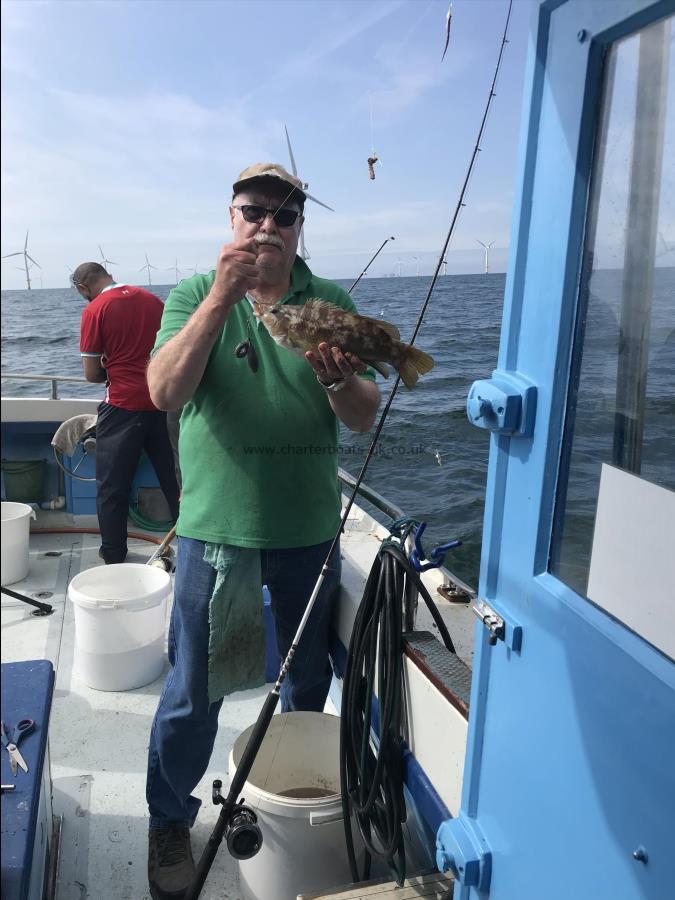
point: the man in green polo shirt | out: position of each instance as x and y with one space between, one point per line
260 500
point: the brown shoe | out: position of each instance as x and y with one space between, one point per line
170 863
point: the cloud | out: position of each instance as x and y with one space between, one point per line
301 65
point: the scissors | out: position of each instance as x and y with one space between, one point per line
15 758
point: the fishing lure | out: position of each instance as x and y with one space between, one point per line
246 350
448 19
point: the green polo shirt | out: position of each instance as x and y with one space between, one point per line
258 450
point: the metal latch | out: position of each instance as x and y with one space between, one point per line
493 622
500 629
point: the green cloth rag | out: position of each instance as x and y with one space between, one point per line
236 626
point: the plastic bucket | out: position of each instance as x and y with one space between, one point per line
24 479
120 619
15 535
294 787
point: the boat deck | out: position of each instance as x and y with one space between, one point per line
98 740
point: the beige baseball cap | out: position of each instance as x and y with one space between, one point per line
268 170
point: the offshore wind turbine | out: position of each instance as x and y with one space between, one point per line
417 260
26 256
175 269
303 250
106 262
147 266
487 255
445 267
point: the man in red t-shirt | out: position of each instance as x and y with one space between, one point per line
117 333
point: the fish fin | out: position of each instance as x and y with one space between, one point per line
408 374
415 363
381 368
390 329
324 305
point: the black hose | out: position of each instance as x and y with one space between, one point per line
371 779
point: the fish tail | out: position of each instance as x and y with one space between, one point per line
415 363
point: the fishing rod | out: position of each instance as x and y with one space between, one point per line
244 837
369 264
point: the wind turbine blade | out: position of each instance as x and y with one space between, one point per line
18 253
141 268
303 249
151 267
111 262
33 261
25 246
290 153
325 205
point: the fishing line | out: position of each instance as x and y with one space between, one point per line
418 325
230 807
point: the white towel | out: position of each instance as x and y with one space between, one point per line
70 432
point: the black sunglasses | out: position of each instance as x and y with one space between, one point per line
283 217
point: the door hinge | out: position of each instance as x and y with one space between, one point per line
499 629
461 847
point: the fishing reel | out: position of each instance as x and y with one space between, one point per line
243 835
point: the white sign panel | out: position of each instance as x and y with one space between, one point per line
632 572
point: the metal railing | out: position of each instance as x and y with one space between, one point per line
52 379
372 496
453 588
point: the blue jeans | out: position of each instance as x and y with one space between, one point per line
185 724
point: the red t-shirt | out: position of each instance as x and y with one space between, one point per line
120 325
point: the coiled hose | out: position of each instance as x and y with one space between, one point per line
372 779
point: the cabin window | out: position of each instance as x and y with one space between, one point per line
621 401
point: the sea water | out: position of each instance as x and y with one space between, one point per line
430 461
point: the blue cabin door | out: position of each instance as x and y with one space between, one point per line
569 783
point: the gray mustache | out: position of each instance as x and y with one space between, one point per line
269 239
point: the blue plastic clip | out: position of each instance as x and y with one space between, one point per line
437 555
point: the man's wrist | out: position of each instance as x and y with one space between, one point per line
336 385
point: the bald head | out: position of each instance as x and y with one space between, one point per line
88 273
90 278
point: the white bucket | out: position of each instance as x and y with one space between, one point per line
120 617
303 836
15 531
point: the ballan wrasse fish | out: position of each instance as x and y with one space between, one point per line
303 328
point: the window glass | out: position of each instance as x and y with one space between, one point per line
621 406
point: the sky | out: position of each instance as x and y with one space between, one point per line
125 123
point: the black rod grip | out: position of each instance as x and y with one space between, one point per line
252 746
240 776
